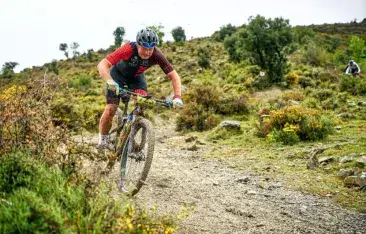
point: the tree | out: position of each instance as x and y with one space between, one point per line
262 42
53 66
226 31
118 36
74 46
179 34
63 47
8 69
357 47
158 30
89 54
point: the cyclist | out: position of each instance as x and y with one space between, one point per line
126 66
352 68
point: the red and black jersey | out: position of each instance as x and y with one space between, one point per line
129 63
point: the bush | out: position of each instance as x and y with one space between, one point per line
66 114
81 81
204 104
292 78
305 81
196 117
314 55
42 199
292 95
353 85
307 123
233 105
287 135
204 57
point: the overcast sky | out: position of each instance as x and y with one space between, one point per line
31 30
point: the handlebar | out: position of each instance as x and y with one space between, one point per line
146 99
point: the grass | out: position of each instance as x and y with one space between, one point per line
250 153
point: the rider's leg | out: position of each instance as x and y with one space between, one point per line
113 100
105 122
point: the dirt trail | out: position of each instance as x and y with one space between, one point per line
219 199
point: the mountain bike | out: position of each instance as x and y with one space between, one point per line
131 141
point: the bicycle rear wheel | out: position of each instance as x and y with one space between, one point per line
137 156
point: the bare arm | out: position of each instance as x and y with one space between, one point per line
173 75
104 67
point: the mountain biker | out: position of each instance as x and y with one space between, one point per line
126 66
352 68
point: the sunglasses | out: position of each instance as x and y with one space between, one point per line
148 45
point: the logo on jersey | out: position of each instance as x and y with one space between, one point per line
145 63
133 61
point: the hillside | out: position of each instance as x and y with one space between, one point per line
312 107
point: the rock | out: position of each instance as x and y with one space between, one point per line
346 159
327 169
343 173
350 181
293 102
346 115
190 138
243 180
230 124
251 192
200 142
263 185
338 127
313 159
351 104
361 161
277 185
361 103
62 149
193 148
303 209
216 184
326 159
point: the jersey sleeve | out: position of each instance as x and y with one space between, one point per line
160 59
122 53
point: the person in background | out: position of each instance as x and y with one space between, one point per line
352 68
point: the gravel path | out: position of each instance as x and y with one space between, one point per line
210 197
219 199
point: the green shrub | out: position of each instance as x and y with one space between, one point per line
42 199
65 113
292 95
307 123
233 105
314 55
287 135
204 57
305 81
81 81
353 85
196 117
292 78
323 94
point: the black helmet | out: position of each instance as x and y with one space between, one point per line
147 38
351 62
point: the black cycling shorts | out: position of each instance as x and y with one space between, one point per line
132 83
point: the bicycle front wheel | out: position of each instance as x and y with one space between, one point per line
137 156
